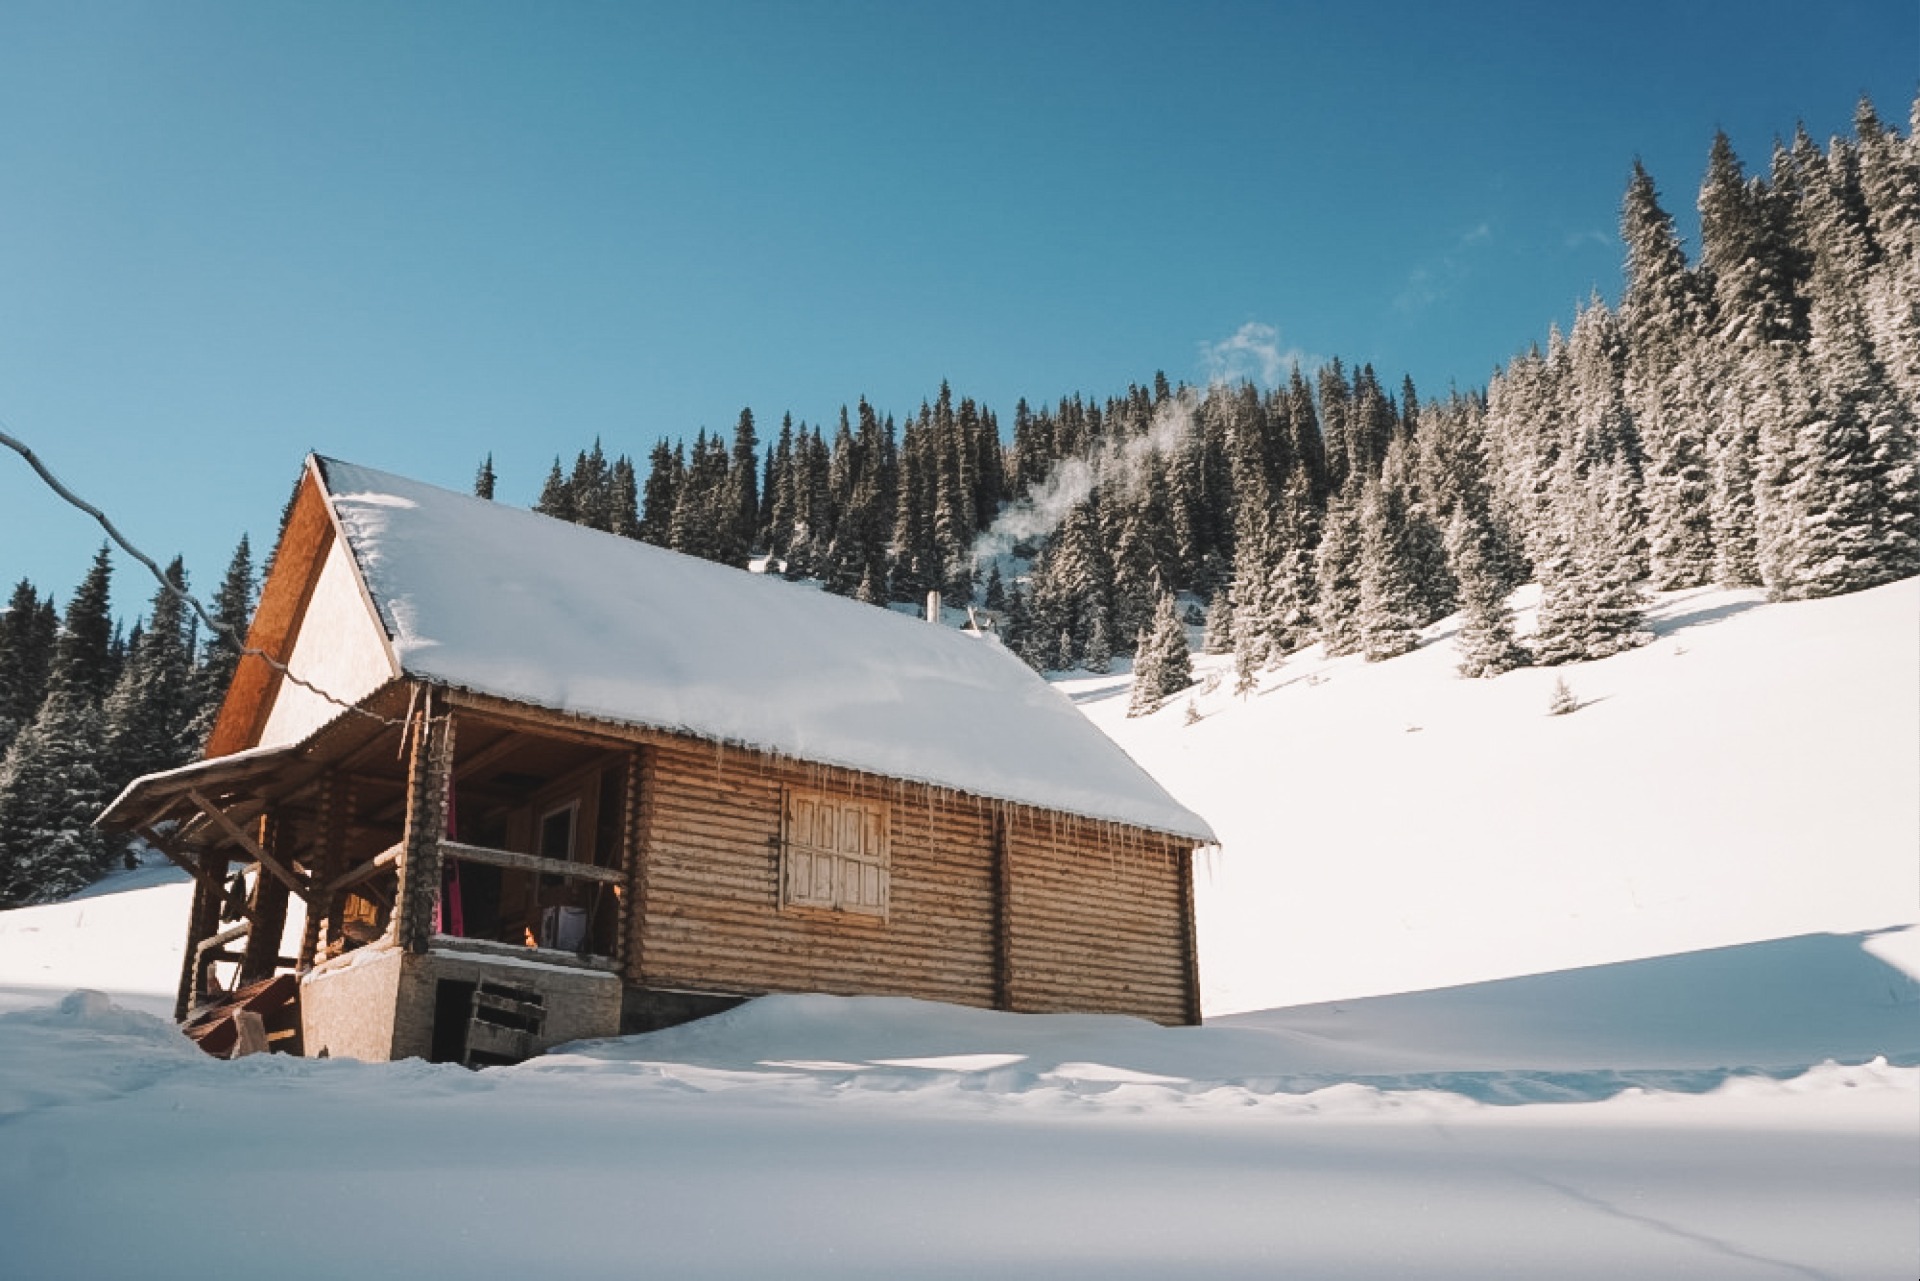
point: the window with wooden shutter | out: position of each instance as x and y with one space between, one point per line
834 854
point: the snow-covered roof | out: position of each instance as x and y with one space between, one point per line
489 598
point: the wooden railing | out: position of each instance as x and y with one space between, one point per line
532 863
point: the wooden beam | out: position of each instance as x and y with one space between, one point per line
1002 877
179 858
362 871
267 914
203 920
508 741
1189 937
625 856
287 875
533 863
607 735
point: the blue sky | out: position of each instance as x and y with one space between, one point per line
408 235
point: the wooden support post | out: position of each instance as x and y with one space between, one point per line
628 859
328 830
331 903
1002 912
1189 937
203 922
429 773
267 914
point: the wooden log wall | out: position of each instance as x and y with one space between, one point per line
991 905
1097 919
709 915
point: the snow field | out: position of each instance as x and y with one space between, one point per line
1753 774
1686 1041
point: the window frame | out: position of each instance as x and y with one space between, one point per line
801 854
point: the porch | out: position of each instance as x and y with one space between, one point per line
430 874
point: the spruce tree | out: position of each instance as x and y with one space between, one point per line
220 653
665 470
1098 657
51 782
28 627
624 505
1162 666
1218 638
1590 601
556 498
1387 621
1486 641
483 479
51 789
1337 570
742 504
147 717
1662 316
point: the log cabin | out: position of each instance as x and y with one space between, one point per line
528 783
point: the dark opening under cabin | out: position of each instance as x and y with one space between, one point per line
530 783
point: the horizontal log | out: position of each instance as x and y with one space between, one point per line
532 863
489 948
362 872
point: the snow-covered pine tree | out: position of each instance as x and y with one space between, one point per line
1218 637
1590 601
666 467
1889 182
220 655
483 479
1098 657
624 499
1337 571
51 782
1162 665
590 489
147 717
28 627
1662 315
740 509
1387 623
51 789
556 499
1486 641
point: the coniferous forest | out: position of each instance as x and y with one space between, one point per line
1746 417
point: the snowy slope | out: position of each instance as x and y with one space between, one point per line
1727 1086
1754 774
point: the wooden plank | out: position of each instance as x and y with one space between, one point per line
532 863
293 881
366 871
297 562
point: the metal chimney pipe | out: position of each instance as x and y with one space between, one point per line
933 607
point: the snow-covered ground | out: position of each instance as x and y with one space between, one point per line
1725 841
